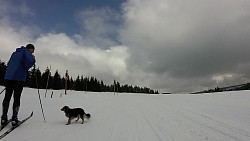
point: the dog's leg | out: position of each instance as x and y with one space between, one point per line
77 118
69 121
82 117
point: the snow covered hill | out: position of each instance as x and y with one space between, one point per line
135 117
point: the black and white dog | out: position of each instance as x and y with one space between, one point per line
75 113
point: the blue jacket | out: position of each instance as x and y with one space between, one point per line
20 62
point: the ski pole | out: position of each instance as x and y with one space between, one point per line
39 96
47 81
2 90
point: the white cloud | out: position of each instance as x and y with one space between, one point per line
99 26
80 60
8 8
10 38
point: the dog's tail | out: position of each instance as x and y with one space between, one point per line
88 115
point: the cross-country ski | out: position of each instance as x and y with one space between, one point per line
2 126
14 127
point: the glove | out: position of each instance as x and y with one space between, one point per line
33 56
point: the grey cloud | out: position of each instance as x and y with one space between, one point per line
189 40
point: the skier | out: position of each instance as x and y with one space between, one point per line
17 70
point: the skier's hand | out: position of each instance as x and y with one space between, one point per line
34 57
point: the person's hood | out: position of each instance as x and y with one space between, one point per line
21 49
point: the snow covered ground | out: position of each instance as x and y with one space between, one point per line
136 117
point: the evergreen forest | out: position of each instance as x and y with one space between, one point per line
37 79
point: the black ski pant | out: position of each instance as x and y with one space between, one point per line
16 88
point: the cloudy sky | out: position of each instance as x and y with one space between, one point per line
167 45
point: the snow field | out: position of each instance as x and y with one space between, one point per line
136 117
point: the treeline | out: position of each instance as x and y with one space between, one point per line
240 87
57 82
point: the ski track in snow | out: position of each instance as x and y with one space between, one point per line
136 117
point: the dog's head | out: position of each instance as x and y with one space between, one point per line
65 109
87 116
